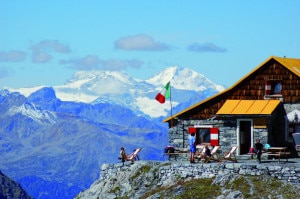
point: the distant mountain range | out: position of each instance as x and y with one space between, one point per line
137 95
53 140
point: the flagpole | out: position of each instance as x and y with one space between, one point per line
171 105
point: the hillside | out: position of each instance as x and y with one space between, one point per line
145 179
11 189
54 149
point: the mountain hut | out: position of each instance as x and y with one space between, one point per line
257 106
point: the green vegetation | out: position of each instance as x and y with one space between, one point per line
115 190
123 197
200 188
251 187
166 164
145 179
143 169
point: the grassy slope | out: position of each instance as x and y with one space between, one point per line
249 186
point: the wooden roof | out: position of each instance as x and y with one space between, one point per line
291 64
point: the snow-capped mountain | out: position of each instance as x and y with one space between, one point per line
184 79
53 140
121 89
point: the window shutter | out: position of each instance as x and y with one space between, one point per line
214 137
192 130
268 87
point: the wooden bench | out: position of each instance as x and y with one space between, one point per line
175 155
278 152
275 151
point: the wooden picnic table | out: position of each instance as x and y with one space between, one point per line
277 151
177 152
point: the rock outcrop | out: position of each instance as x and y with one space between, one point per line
10 189
150 179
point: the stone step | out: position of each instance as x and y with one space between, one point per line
243 157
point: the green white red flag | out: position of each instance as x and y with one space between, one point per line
164 94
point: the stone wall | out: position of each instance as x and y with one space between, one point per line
185 170
262 134
178 135
227 137
290 107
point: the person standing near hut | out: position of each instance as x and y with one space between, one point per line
192 147
258 149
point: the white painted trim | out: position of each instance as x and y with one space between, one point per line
203 126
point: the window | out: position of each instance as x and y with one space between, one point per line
273 88
205 134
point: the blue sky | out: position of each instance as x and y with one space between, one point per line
45 42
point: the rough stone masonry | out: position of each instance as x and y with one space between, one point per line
132 179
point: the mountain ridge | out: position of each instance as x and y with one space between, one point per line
62 156
58 145
139 95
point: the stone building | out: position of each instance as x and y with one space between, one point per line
263 104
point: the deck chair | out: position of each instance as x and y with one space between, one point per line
230 155
134 156
200 151
214 155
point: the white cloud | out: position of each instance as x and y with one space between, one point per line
205 47
93 62
41 51
140 42
12 56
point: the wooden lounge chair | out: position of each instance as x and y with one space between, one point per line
200 152
134 156
230 155
214 155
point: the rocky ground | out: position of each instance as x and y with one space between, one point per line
150 179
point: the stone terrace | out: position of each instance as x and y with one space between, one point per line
286 171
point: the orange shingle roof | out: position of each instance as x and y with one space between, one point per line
290 63
248 107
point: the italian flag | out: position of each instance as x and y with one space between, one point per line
164 94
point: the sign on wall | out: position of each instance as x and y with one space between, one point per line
260 123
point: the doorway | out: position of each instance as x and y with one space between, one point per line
244 135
